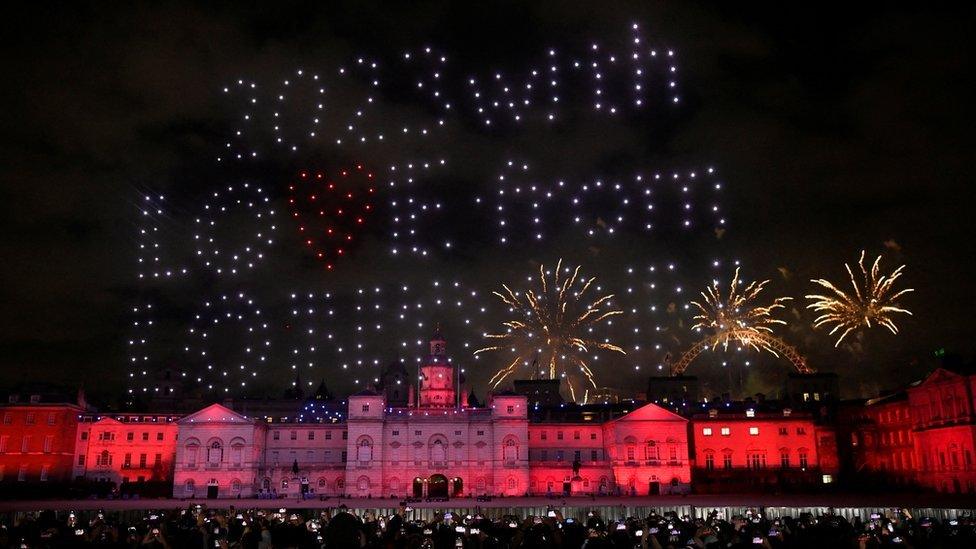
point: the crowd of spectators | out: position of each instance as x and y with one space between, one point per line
197 527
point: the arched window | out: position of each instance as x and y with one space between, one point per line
364 451
235 486
189 486
512 483
284 484
394 484
215 454
323 483
340 485
363 484
510 450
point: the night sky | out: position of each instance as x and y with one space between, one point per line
830 130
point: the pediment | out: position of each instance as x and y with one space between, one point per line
418 444
652 412
395 444
215 413
481 444
940 375
458 444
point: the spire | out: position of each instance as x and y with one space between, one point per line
322 393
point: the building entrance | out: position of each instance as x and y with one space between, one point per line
437 486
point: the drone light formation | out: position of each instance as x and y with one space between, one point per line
874 300
553 329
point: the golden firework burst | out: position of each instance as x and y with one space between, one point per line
737 316
873 301
551 331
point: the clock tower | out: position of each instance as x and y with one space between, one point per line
437 376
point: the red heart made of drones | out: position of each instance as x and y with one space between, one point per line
330 212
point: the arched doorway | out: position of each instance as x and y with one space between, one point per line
437 486
457 487
418 487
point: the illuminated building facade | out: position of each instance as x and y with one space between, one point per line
403 441
943 425
37 434
748 448
125 448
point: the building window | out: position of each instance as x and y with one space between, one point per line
801 430
48 443
803 460
26 442
215 454
311 435
44 472
51 419
345 435
396 433
559 435
543 435
784 459
293 435
159 436
750 413
81 460
576 435
22 474
592 436
543 455
707 431
104 459
189 486
457 433
158 460
8 418
727 461
726 431
142 461
365 408
753 431
276 435
145 436
510 409
481 433
417 433
130 436
783 431
84 435
757 460
127 462
709 461
328 435
594 455
29 419
4 440
630 453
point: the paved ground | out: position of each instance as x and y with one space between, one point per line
915 500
